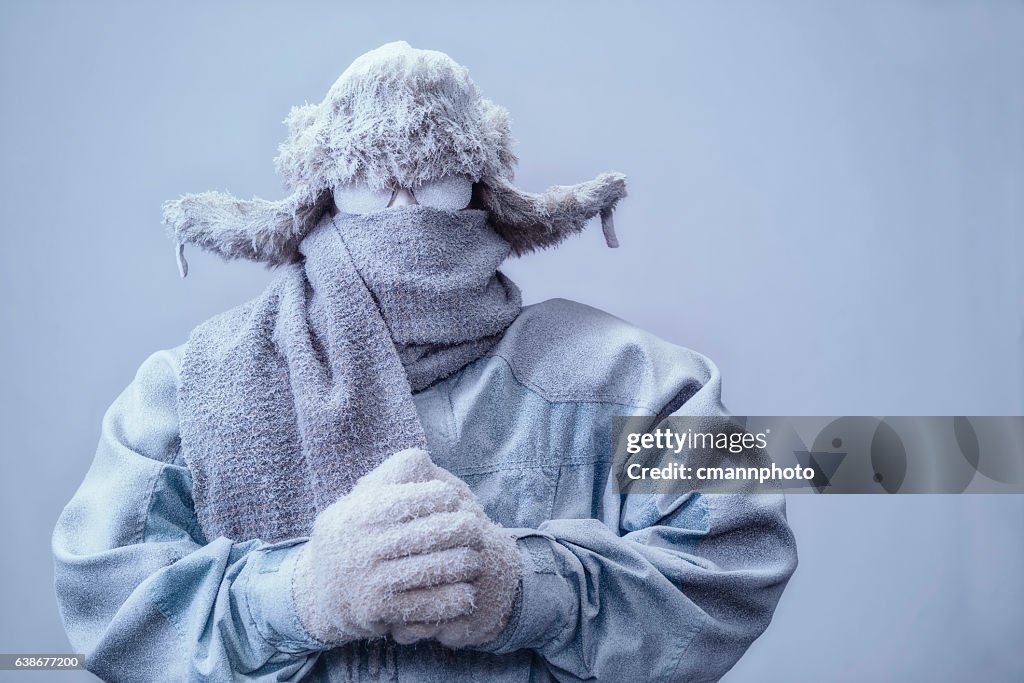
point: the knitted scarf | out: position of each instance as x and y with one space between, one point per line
288 399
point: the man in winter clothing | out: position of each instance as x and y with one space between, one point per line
384 467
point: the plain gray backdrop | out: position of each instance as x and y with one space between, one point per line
827 199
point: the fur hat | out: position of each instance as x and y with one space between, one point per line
397 117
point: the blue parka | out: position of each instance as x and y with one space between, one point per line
615 588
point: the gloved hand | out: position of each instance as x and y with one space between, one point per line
403 546
496 585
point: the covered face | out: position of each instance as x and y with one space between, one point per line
397 119
450 193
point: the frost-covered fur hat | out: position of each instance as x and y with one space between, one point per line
397 117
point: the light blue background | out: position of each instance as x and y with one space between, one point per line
826 198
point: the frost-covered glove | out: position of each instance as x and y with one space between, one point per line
496 587
402 546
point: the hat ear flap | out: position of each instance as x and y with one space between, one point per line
253 229
529 221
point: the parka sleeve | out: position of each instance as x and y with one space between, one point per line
141 592
660 588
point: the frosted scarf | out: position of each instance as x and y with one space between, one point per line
288 399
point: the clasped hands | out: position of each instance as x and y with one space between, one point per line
407 552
